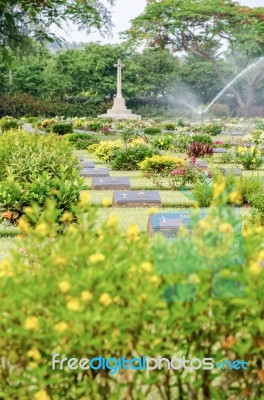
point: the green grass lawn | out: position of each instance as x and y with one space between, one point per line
6 246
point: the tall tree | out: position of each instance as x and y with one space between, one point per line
24 20
208 29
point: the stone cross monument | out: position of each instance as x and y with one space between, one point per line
119 109
119 67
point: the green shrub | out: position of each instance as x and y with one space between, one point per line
249 186
181 140
157 164
260 125
99 286
128 159
202 193
62 129
257 202
96 124
210 129
34 168
153 130
164 142
8 123
103 150
204 139
82 140
32 120
169 126
251 158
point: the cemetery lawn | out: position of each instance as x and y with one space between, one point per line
6 245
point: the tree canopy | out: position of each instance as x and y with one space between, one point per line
24 20
210 29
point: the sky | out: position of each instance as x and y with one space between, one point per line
122 13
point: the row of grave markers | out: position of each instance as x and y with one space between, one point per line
167 224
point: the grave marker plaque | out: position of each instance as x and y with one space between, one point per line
93 172
111 183
168 224
134 198
87 164
220 150
227 171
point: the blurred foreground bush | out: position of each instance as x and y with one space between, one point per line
94 291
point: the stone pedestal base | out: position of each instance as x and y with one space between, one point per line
120 111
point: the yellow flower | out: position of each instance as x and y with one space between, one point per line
64 286
152 210
96 258
34 353
71 229
42 395
132 232
67 217
42 229
116 333
157 341
31 323
60 261
61 327
235 197
84 199
258 229
112 221
146 266
28 210
142 297
100 234
204 223
105 299
183 232
218 189
226 228
23 225
194 278
155 279
255 268
106 202
247 231
86 295
74 305
5 268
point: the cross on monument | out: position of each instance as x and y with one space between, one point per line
119 67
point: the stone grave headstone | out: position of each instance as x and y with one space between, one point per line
227 171
220 150
168 224
111 183
237 133
87 164
81 158
93 172
135 198
201 164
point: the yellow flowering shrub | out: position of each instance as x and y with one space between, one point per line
156 163
104 149
108 300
